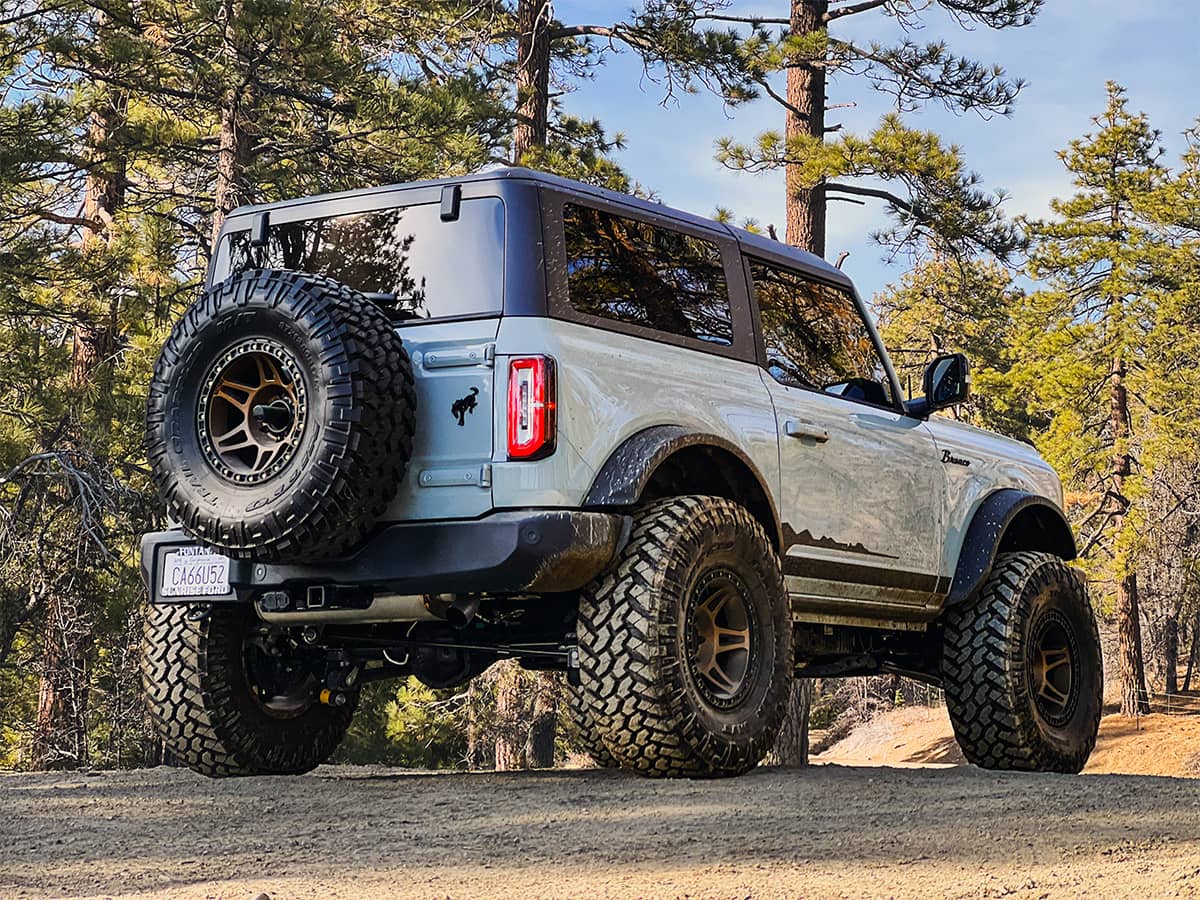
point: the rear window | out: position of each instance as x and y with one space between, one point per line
643 275
407 259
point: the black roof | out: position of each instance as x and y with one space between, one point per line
515 173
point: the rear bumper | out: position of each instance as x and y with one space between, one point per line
536 551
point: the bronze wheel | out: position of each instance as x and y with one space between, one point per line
685 643
1052 669
720 625
252 411
1022 668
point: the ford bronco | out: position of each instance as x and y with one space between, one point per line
414 430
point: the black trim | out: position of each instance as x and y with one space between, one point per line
874 576
987 531
503 553
623 477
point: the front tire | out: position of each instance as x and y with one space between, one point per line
213 713
685 644
1022 669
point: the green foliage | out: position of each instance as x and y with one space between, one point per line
407 724
946 208
945 305
1087 333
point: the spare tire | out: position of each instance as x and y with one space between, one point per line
281 415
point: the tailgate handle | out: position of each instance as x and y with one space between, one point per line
454 357
797 429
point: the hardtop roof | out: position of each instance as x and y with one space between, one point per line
752 242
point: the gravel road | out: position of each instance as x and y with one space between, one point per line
826 831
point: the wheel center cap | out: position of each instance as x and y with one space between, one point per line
276 417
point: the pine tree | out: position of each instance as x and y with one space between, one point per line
1087 366
676 45
946 305
926 187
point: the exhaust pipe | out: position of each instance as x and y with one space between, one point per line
462 611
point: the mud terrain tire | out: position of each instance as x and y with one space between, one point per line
306 475
587 736
666 703
1022 670
208 713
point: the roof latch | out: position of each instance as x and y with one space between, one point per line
451 200
260 231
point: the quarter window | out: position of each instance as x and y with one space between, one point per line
816 338
640 274
411 262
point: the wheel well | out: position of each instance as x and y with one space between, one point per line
705 469
1038 528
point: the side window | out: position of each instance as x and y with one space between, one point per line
816 338
640 274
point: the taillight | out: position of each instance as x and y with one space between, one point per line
531 425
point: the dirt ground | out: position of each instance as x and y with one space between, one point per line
826 831
1151 745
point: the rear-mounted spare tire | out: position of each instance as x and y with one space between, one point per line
281 415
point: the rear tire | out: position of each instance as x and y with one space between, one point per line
685 644
210 714
587 736
1022 669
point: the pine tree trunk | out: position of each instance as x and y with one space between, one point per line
473 742
235 141
806 116
1193 647
791 747
805 214
512 716
60 726
1134 699
533 77
539 748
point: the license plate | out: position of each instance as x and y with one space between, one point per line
194 572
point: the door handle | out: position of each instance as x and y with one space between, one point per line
797 429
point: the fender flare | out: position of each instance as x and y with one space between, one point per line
988 529
625 474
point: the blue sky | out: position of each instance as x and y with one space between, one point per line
1066 56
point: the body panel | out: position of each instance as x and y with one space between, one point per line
611 386
995 462
456 384
861 508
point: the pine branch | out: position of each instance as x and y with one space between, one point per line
853 9
73 221
877 193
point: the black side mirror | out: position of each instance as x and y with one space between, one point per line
947 383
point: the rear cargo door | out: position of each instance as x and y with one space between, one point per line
450 475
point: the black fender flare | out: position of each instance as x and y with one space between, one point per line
989 528
624 476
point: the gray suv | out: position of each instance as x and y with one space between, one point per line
418 429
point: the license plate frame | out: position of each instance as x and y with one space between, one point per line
193 572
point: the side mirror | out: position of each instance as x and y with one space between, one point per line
947 383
